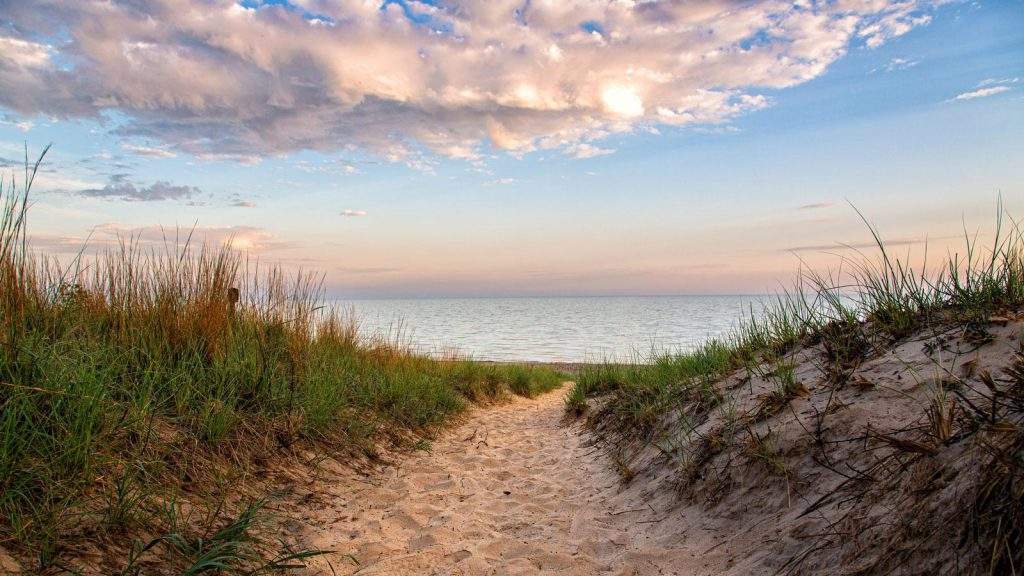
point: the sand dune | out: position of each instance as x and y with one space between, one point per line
515 489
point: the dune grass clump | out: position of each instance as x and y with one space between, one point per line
644 392
922 462
876 302
139 373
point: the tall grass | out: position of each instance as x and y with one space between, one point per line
871 302
120 373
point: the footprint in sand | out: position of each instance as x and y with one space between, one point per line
532 499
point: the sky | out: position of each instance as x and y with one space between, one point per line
528 147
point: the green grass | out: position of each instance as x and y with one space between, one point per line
875 304
131 374
234 548
876 301
644 392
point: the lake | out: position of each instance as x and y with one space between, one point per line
558 329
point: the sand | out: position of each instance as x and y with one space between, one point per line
511 490
843 479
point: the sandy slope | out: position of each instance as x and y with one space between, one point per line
844 477
510 491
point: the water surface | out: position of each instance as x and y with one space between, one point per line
566 329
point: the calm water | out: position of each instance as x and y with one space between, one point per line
551 329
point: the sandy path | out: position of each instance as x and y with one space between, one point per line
510 491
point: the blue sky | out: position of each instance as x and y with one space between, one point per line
920 129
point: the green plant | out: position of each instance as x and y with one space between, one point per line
576 400
874 298
234 548
151 365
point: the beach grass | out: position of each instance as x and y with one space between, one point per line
875 301
681 407
144 372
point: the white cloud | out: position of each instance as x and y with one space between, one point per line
149 151
326 167
584 150
982 93
897 64
994 81
222 82
349 213
622 101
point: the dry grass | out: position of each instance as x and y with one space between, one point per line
142 375
942 487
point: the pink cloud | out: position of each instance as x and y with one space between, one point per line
216 80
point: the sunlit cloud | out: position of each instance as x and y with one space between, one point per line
622 101
349 213
248 239
243 238
224 82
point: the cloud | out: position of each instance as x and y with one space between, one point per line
368 270
119 187
148 151
816 206
897 64
327 167
244 238
10 120
866 245
982 93
893 19
109 235
57 245
992 81
349 213
241 158
584 150
243 204
458 78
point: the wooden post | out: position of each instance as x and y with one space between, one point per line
232 300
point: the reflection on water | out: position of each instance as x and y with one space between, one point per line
552 329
